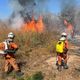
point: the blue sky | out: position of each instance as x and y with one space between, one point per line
6 10
54 6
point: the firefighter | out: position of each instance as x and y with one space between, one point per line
9 48
65 54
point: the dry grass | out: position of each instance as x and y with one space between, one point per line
34 50
32 46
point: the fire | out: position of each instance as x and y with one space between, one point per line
69 28
40 25
33 26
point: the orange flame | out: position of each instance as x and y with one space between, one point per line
40 25
69 28
33 26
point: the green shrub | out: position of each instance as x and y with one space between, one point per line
37 76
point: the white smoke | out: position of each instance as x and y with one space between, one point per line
17 22
15 5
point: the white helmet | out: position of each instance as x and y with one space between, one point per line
63 34
62 39
11 35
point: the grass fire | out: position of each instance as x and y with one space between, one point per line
39 40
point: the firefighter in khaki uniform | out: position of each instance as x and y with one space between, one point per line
9 48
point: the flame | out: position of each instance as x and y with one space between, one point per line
69 26
40 25
33 26
69 29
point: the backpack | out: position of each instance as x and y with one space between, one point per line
6 45
60 46
7 50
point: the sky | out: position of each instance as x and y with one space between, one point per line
6 10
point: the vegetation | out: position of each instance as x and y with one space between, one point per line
37 76
32 45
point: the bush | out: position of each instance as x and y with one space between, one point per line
37 76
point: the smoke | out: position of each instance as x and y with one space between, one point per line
68 8
17 22
24 9
71 11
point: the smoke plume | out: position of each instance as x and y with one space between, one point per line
68 9
24 9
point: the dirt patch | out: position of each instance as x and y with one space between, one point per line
69 74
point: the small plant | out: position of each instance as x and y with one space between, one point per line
37 76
